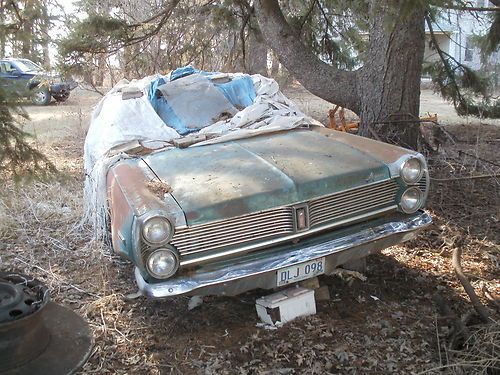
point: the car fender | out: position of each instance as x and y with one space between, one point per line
130 200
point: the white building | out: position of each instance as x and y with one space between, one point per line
455 31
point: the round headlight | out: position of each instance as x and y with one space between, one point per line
412 170
157 230
162 263
411 200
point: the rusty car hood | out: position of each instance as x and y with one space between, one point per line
219 181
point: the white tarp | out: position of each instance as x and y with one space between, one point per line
116 121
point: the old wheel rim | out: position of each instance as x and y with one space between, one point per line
23 334
44 338
41 96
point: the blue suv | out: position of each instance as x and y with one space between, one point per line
24 78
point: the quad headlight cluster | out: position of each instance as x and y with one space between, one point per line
163 260
412 199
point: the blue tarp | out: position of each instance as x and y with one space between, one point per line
182 72
239 91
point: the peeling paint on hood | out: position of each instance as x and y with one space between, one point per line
219 181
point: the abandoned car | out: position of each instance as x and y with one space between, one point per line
24 78
215 184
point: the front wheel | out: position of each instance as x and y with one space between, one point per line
61 97
41 96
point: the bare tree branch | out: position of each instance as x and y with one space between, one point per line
474 9
478 306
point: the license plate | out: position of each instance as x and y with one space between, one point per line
300 272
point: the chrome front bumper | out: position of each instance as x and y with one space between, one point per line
261 272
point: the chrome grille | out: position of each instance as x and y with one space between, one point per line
352 202
422 184
279 222
144 248
262 225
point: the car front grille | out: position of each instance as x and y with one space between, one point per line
279 222
234 231
352 202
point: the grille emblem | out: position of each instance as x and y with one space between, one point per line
301 218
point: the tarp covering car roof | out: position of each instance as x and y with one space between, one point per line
158 111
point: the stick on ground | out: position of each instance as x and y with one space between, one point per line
478 306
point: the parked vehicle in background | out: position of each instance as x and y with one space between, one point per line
26 79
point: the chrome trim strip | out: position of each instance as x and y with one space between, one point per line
275 241
239 219
201 279
362 201
235 240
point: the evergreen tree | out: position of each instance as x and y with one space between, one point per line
18 158
366 56
24 27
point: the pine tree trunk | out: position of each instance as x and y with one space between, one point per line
386 89
389 82
101 70
44 31
124 59
2 34
27 30
256 55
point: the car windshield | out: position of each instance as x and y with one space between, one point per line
28 66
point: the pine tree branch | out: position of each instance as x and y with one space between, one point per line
164 15
444 60
336 85
17 157
306 16
473 9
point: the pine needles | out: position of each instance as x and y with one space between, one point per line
18 158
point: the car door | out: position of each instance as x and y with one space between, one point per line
13 80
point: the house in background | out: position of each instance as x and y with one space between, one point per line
455 32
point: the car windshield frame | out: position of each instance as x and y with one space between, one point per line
26 65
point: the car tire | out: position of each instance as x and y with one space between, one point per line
41 96
61 97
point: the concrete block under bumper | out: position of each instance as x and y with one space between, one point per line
282 307
261 272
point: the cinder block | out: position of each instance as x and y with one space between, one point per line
322 293
284 306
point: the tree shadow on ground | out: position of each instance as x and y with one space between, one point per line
385 324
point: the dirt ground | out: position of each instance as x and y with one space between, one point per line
386 324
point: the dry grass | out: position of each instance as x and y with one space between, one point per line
480 354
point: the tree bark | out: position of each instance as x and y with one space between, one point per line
390 79
44 31
384 90
27 29
257 53
101 70
320 78
3 33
